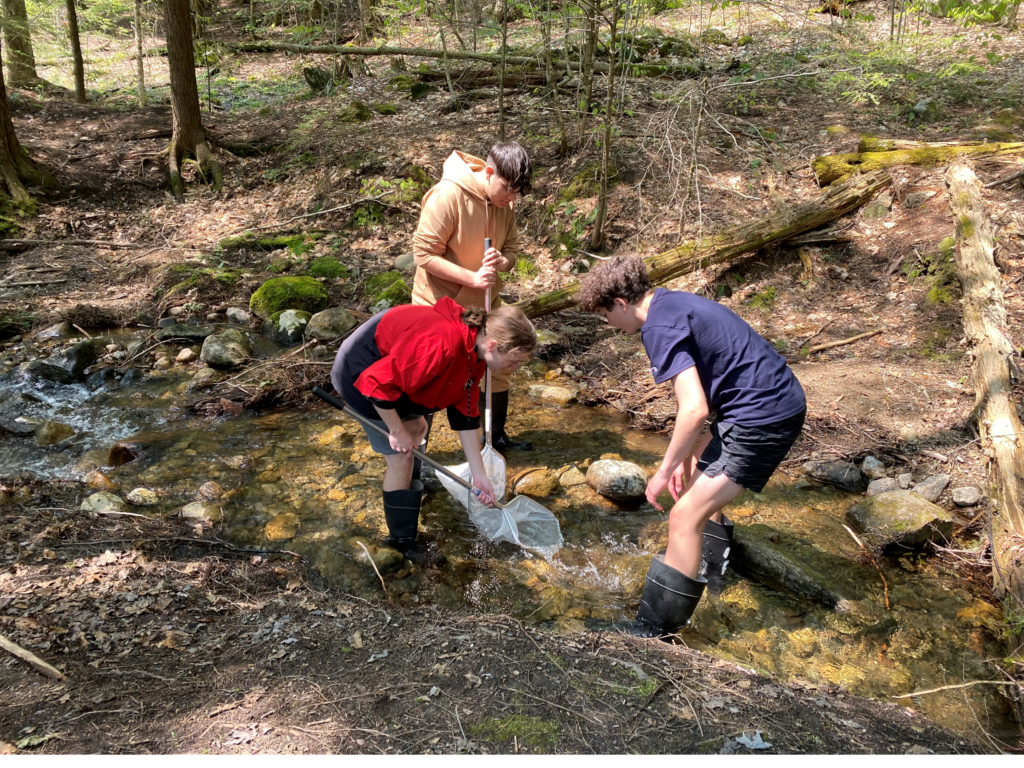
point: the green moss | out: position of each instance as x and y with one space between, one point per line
421 90
831 169
715 37
280 293
384 109
745 40
276 317
355 112
389 286
587 182
535 732
298 244
966 227
836 130
939 294
525 268
764 300
326 266
402 82
200 278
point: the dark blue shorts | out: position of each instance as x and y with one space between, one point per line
749 455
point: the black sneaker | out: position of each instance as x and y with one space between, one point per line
506 443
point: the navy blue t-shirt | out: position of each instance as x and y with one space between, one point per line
744 379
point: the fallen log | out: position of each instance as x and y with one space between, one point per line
830 169
875 144
650 70
999 426
736 241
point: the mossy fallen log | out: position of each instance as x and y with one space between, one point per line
830 169
985 326
736 241
875 144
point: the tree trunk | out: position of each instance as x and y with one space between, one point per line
188 136
667 71
140 66
76 52
15 167
549 74
597 236
736 241
1002 435
365 20
591 9
832 168
21 61
501 71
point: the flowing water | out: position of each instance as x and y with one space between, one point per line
305 480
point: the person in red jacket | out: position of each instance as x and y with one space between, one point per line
406 363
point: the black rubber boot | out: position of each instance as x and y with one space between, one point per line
499 415
716 548
402 514
667 602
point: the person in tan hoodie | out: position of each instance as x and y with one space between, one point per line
473 201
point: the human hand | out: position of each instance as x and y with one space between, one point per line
680 478
486 494
485 277
403 441
493 258
655 486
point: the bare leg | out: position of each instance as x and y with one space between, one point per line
703 498
398 475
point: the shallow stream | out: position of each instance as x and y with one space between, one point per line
307 481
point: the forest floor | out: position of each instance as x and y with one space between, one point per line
226 653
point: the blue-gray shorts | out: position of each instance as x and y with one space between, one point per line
749 455
380 443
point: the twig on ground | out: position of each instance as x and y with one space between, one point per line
1005 179
874 562
370 558
315 213
843 342
17 242
27 656
970 684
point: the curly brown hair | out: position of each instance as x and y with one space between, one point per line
622 277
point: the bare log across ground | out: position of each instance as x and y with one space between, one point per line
736 241
649 70
998 424
833 168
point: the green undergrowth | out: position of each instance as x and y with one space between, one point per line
184 278
764 300
937 268
387 286
534 732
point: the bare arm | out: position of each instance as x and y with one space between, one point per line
692 411
470 440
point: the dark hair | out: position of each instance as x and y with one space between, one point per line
507 325
622 277
512 164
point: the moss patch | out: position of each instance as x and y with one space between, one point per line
534 732
200 279
389 286
298 244
355 112
326 266
385 109
280 293
831 169
587 183
764 300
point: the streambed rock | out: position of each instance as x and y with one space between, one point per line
872 467
619 480
76 358
104 502
901 517
882 485
143 497
53 432
557 395
204 377
100 482
932 487
280 293
181 332
286 327
537 484
840 473
281 527
225 350
202 510
572 478
386 558
966 496
330 324
238 316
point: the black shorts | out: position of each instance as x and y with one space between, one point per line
749 455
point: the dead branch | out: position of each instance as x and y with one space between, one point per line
32 659
844 342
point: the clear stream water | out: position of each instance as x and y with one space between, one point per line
306 480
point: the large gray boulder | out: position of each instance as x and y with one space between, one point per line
225 350
840 473
286 327
901 518
330 324
620 480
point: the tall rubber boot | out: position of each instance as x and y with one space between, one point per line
667 602
715 551
402 514
499 415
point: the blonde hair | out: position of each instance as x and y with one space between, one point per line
506 325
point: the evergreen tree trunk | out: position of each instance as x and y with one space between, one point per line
21 61
15 167
188 136
76 52
140 68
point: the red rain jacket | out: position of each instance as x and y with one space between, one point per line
429 355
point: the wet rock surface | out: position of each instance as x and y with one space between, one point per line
537 484
619 480
226 350
53 432
181 332
842 474
902 518
104 502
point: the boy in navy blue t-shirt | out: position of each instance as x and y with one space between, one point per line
717 363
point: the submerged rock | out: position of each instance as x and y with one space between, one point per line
281 527
202 510
42 370
384 557
537 484
204 377
330 324
59 331
143 497
872 467
620 480
76 358
841 473
179 332
557 395
101 378
932 487
11 426
100 482
966 496
903 518
52 432
185 356
882 485
104 502
286 327
572 478
210 491
225 350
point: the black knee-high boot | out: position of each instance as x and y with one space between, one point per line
667 602
402 514
716 549
499 415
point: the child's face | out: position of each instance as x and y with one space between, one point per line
498 190
622 316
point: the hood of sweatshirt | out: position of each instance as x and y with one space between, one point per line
461 169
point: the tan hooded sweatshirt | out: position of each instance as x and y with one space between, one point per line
455 218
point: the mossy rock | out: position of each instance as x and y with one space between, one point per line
402 82
677 47
587 182
277 266
421 91
715 37
1008 118
202 279
993 132
298 244
745 40
355 112
362 162
418 174
326 266
389 287
280 293
837 130
384 109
